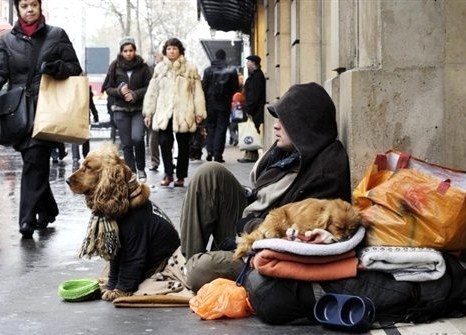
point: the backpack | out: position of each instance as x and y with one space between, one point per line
220 90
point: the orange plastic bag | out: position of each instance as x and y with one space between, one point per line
413 203
221 298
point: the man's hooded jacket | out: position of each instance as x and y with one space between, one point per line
319 167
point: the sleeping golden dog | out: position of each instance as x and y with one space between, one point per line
337 216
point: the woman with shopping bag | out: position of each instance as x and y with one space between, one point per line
46 50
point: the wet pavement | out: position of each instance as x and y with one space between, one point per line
31 270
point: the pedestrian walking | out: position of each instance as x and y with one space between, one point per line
154 134
219 83
129 76
174 103
254 90
31 35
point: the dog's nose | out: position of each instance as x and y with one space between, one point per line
68 181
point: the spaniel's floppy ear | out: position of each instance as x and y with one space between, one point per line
111 194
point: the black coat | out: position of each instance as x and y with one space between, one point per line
138 82
231 85
15 53
254 91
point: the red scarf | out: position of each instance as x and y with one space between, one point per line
28 29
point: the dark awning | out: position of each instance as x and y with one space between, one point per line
233 50
228 15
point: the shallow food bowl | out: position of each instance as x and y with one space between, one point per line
353 313
79 290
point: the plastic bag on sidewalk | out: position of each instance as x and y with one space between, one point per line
221 298
413 203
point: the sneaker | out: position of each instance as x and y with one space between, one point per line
142 177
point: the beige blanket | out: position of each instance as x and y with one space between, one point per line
166 288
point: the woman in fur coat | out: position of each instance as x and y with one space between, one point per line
174 102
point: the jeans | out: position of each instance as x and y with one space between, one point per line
131 131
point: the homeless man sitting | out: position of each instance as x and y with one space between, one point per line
306 161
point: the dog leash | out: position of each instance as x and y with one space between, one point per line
246 268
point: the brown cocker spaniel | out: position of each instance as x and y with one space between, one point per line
103 178
146 238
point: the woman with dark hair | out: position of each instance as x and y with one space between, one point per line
128 78
56 57
174 103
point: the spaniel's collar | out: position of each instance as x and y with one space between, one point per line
134 187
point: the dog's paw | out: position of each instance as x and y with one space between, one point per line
106 294
105 291
116 293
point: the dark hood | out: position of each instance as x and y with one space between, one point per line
308 114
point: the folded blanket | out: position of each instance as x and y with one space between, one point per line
312 268
404 263
311 249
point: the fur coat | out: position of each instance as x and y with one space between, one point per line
175 91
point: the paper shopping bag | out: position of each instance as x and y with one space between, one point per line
413 203
62 112
248 136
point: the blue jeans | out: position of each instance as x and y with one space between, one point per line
131 131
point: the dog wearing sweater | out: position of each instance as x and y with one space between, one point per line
126 228
336 216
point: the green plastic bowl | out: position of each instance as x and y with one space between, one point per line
79 290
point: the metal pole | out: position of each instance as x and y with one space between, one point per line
10 11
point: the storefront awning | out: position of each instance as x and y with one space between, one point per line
228 15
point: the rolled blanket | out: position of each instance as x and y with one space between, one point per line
404 263
312 268
153 300
311 249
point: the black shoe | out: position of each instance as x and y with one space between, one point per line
43 220
246 160
219 159
209 158
63 155
26 229
154 168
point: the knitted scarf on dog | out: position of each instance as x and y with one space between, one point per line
102 233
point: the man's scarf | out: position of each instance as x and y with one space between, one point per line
102 233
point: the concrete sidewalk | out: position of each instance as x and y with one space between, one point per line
31 270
